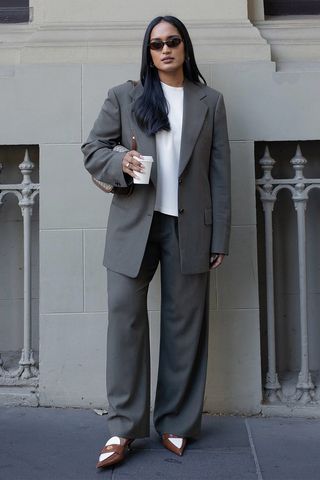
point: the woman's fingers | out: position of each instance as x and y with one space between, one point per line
131 163
216 260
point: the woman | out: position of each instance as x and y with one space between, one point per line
180 219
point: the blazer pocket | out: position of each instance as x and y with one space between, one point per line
208 216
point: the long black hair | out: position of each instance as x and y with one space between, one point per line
151 109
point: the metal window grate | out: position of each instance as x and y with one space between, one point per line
288 185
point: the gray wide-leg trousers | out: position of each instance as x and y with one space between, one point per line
183 342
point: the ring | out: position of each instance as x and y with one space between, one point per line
127 165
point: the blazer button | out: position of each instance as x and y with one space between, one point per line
181 210
180 181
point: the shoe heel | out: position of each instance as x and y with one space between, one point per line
129 444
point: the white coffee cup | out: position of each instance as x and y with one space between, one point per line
144 177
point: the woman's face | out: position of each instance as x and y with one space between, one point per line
167 60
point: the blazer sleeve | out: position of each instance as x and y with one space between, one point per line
99 158
220 181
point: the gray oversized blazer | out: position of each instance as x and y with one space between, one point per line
204 179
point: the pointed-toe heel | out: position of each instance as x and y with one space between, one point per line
118 452
167 443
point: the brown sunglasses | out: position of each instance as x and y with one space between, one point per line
173 42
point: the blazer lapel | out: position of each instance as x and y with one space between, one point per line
146 145
194 113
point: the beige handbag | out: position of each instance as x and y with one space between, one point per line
107 187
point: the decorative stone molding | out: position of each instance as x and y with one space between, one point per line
293 39
121 42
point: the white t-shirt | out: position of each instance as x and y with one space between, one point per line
168 153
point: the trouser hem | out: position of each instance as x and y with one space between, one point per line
130 434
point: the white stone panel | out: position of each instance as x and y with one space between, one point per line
78 203
73 360
205 70
41 104
234 376
61 271
38 11
255 10
81 10
237 278
266 105
97 80
243 183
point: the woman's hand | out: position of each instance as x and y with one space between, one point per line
215 260
130 164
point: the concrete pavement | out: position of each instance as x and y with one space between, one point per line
63 444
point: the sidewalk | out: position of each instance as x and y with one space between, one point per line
63 444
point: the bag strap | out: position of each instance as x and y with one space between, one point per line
134 143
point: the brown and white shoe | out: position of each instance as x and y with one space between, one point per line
114 451
174 443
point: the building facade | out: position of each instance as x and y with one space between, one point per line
55 71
